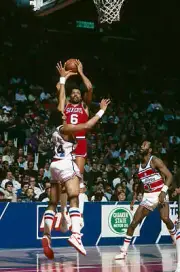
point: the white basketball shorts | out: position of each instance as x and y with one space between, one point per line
151 200
64 170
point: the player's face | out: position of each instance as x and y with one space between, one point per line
75 96
145 148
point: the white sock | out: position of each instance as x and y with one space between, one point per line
75 219
178 246
127 242
48 221
173 234
81 204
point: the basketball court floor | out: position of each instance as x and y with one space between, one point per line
147 258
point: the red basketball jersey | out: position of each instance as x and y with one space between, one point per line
75 114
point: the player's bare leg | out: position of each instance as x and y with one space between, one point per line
140 214
49 218
65 224
80 161
72 188
164 214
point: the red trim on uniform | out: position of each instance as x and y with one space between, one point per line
48 217
178 237
153 185
83 156
146 173
75 214
55 159
127 241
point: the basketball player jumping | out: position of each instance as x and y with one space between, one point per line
76 112
156 179
65 171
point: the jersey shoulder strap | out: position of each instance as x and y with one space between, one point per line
149 162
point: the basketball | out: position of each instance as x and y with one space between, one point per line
71 65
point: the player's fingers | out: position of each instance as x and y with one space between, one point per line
107 101
60 64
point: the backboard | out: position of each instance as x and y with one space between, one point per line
45 7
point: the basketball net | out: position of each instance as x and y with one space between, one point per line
109 10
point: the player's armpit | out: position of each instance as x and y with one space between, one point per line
159 164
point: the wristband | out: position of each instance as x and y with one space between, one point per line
100 113
62 80
164 189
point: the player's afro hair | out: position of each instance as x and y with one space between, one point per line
56 118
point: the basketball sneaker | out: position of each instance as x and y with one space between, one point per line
75 241
122 255
46 244
65 224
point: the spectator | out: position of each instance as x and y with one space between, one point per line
98 196
45 194
20 96
30 195
9 178
47 172
108 192
121 196
44 95
9 193
117 191
21 194
48 192
36 191
30 171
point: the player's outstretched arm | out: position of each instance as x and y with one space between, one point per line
68 128
88 94
64 75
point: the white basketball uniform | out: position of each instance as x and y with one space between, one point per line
63 167
153 183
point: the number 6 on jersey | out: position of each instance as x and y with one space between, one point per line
74 119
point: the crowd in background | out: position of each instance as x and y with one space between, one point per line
113 145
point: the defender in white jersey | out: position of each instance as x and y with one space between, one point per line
65 171
156 179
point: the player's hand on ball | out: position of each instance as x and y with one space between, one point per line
104 103
79 66
63 72
162 197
